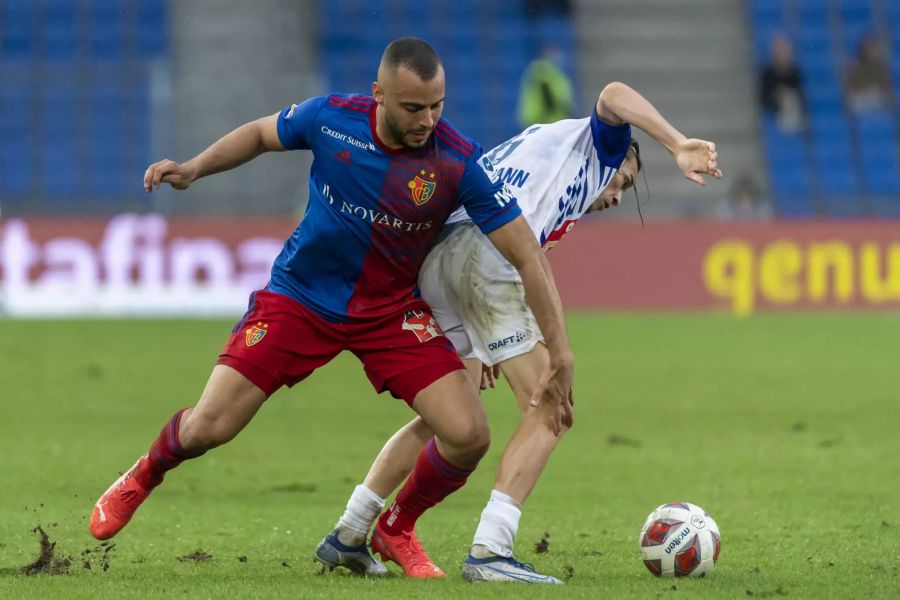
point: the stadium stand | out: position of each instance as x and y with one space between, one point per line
80 97
844 164
485 46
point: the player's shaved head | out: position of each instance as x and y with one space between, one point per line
409 93
413 54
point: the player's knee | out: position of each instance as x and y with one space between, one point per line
476 441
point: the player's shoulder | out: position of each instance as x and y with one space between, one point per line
454 140
351 103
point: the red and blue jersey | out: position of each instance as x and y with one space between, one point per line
374 212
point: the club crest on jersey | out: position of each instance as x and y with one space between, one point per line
422 324
421 188
255 333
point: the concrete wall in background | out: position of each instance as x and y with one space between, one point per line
251 60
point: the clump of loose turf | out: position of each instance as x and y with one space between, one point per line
47 562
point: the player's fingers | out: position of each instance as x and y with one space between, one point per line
696 178
165 169
148 178
158 172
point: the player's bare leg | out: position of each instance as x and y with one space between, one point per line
227 404
398 456
450 407
520 467
523 461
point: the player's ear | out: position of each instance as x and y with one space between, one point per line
377 93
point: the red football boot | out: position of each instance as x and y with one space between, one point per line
406 551
117 505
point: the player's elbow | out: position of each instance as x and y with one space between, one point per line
612 101
611 91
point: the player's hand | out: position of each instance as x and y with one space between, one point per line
696 158
554 397
489 376
178 175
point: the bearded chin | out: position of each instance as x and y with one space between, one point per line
398 134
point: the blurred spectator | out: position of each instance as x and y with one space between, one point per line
868 79
781 93
545 95
745 202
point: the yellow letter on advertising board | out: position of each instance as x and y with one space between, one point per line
876 288
728 273
834 256
779 267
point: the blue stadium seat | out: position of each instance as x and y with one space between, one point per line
60 31
788 162
106 31
462 11
892 12
15 142
835 168
16 39
856 12
59 137
811 15
876 127
876 146
814 53
153 30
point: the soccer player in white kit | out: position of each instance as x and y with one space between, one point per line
558 173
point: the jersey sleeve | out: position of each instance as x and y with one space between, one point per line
489 202
610 141
295 124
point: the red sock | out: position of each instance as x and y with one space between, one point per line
431 481
165 454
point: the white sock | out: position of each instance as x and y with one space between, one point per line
363 508
499 524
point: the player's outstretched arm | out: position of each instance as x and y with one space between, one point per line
241 145
619 104
517 244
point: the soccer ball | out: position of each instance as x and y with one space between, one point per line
680 540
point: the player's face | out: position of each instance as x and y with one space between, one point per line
623 180
412 107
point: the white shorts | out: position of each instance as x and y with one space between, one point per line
477 297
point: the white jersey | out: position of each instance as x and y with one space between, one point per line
556 171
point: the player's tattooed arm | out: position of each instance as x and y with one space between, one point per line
619 104
241 145
517 244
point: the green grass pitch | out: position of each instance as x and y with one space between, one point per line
784 427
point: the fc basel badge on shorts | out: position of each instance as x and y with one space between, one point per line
422 187
255 333
422 324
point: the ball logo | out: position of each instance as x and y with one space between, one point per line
676 541
698 522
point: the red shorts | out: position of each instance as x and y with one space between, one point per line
279 341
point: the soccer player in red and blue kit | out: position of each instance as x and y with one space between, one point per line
388 171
